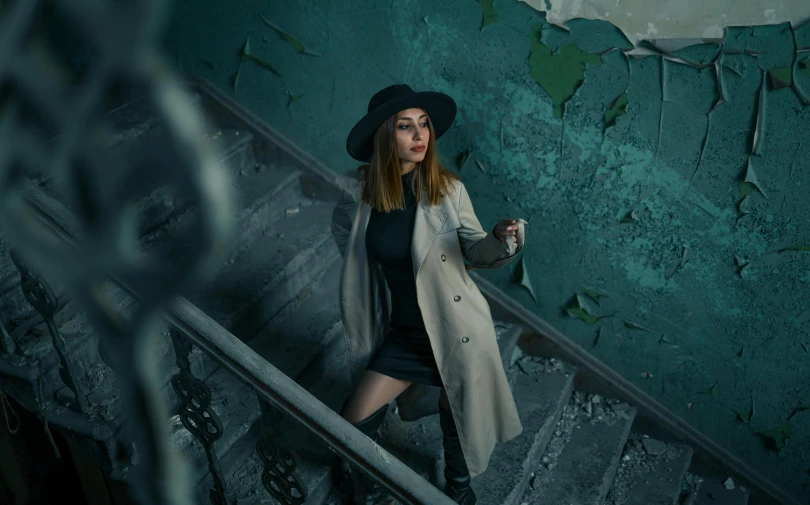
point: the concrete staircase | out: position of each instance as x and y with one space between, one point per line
277 291
576 448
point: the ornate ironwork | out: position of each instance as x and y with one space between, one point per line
42 298
279 475
39 96
197 415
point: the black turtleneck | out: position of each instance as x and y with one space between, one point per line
388 242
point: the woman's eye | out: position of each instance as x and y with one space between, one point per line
404 127
424 125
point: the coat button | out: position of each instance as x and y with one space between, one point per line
465 339
444 258
457 298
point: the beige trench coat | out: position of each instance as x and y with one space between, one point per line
456 314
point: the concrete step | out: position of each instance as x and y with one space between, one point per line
142 130
266 192
160 215
716 491
262 193
294 338
541 388
234 151
129 124
650 472
291 255
582 457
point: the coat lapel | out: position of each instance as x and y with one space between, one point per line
427 225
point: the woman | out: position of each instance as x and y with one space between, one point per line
407 253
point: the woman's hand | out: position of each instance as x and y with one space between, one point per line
506 228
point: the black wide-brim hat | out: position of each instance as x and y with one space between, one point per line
391 100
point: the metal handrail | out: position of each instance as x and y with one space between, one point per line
266 380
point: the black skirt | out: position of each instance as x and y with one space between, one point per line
406 354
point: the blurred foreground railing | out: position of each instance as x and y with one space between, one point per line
51 125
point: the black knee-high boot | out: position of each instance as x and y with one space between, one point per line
364 490
456 473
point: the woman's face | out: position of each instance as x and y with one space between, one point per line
412 136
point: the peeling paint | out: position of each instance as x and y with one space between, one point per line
686 19
774 46
781 77
297 46
595 36
489 13
700 55
616 110
803 36
559 74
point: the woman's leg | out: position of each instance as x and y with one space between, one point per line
374 391
456 473
365 409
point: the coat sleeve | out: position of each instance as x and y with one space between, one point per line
483 250
342 217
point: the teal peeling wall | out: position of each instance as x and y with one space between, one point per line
675 185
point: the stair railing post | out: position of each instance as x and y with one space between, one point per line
280 465
197 415
43 299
